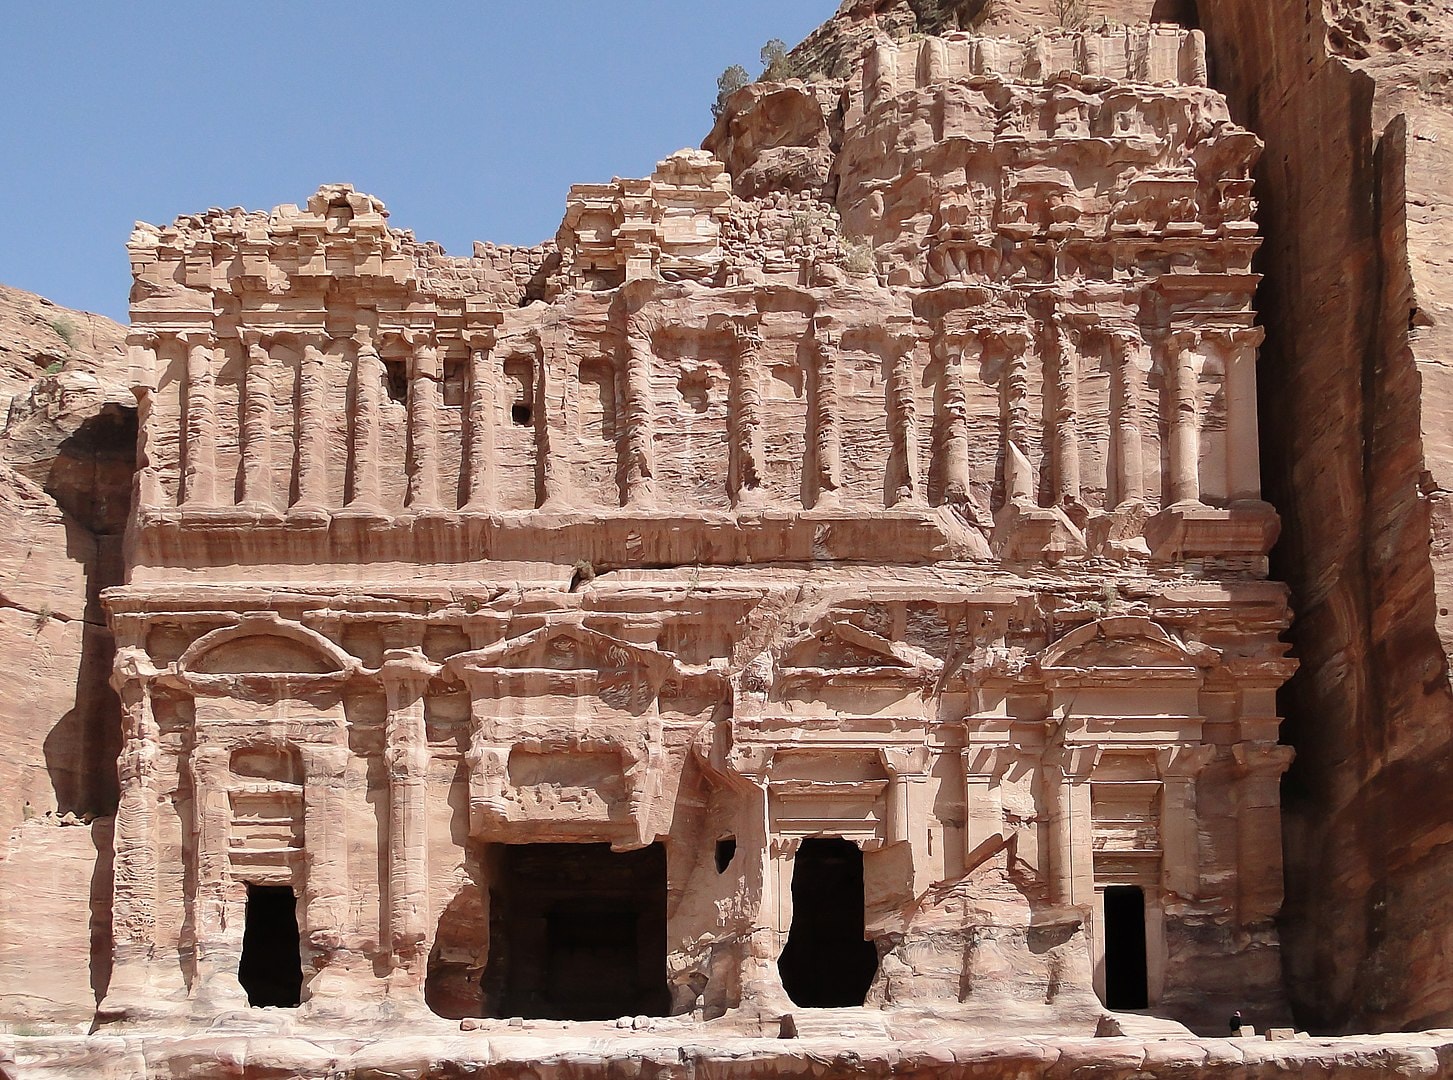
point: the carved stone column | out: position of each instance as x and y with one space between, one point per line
424 376
1072 876
1184 418
217 943
1243 465
133 904
1258 828
1018 472
826 417
639 472
199 437
480 452
1126 346
368 374
326 892
406 757
141 348
745 468
984 769
1065 438
1180 767
952 420
312 428
257 422
902 421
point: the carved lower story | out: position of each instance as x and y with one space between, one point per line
671 796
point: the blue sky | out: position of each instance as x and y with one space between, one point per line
470 120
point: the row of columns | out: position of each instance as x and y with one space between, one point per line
261 488
1180 356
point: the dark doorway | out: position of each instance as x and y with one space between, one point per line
577 932
726 851
1125 979
827 964
271 970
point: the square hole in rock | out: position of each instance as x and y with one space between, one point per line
577 932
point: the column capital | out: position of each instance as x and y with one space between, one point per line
1242 337
1185 761
1124 338
746 326
480 339
194 336
143 339
1013 339
1263 757
826 331
405 670
1177 340
255 338
904 334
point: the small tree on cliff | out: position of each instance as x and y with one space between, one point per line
728 83
777 66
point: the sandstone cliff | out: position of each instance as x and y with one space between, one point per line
1353 102
65 485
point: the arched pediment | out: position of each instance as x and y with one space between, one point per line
265 645
1127 641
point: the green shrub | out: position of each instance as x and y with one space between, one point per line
858 257
65 330
777 66
728 83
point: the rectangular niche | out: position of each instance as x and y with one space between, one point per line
577 932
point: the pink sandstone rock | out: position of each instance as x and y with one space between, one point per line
824 593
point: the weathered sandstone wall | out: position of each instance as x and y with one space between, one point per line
1353 397
65 479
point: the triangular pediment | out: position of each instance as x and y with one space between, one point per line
567 648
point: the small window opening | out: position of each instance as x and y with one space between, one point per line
396 380
827 964
271 970
454 382
520 374
577 932
726 851
1125 974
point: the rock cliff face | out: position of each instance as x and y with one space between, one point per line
65 480
973 309
1352 102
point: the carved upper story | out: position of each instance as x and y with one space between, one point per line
1022 331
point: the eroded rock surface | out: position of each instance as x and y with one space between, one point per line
833 568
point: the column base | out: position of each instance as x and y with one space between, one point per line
1120 533
1027 533
1194 530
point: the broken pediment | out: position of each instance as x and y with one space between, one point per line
1121 643
840 647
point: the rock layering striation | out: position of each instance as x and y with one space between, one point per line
822 598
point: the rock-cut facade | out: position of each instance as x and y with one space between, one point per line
833 573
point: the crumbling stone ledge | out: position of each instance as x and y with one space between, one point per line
584 1057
